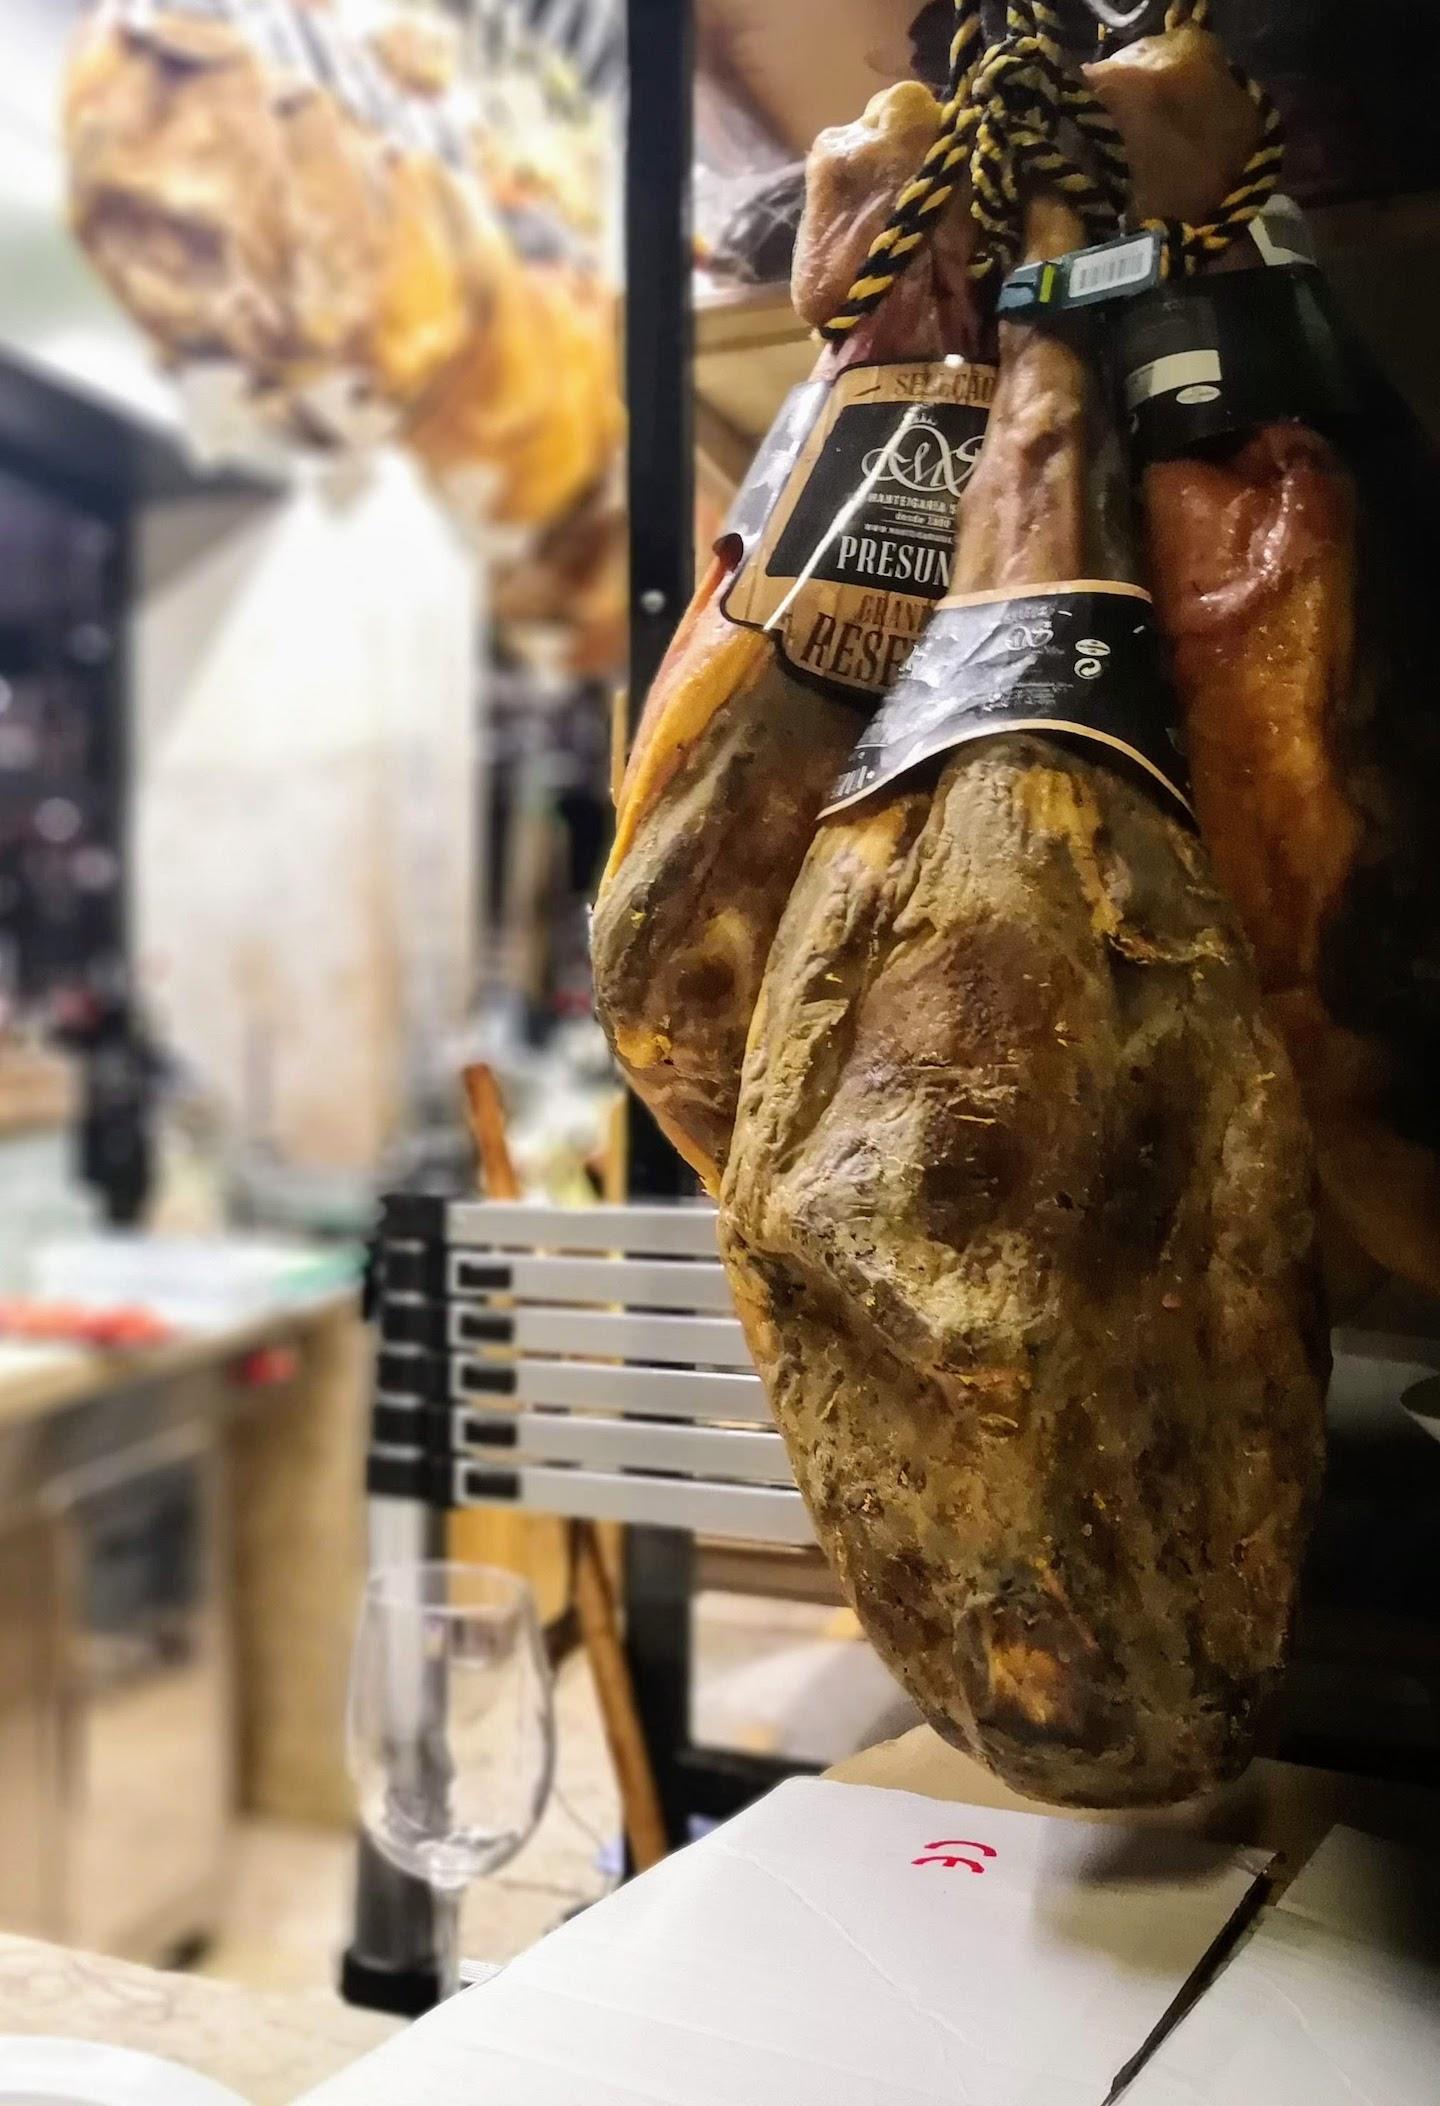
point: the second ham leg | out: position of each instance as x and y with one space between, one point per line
1018 1219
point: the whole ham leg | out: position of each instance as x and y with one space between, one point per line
735 754
1017 1215
1289 599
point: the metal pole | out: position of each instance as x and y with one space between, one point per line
659 354
659 331
394 1962
660 385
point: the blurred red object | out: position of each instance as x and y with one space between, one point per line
266 1368
123 1328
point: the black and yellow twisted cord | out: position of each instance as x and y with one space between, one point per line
1001 125
1187 248
1026 88
1085 110
918 207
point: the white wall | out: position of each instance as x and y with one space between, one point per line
303 676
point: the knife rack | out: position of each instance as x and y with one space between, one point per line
580 1362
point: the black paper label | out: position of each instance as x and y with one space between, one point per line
1081 658
1222 354
847 519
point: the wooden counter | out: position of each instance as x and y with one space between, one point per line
295 1446
35 1379
297 1544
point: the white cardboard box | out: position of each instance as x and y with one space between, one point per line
1333 2001
841 1946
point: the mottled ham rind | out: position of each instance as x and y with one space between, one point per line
735 756
1288 577
1018 1219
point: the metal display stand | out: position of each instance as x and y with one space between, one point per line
589 1364
581 1362
659 369
695 1784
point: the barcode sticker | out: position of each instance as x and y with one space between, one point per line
1118 270
1111 268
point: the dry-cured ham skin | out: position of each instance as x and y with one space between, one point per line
1287 582
1018 1219
735 754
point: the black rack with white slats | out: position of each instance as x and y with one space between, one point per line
586 1363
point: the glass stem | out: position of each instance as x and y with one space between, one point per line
447 1938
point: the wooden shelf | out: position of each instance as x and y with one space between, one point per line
749 352
737 318
1380 256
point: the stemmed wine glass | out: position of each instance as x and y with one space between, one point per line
451 1727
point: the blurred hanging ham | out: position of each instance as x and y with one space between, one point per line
440 250
526 420
177 182
522 428
1290 597
241 210
1017 1212
735 752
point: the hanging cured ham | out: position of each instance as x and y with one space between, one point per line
1018 1206
738 744
249 204
1287 569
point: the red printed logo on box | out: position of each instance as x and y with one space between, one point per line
941 1855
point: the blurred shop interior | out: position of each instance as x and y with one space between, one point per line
317 649
309 684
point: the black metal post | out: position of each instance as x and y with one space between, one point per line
393 1962
659 1587
660 390
659 385
659 330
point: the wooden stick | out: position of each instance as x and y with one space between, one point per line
485 1116
599 1626
594 1596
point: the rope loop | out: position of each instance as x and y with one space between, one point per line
1026 91
1188 248
921 203
1003 123
1003 114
